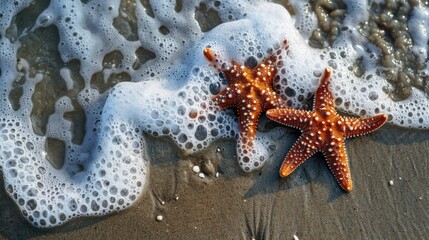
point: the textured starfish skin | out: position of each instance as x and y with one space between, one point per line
323 130
250 91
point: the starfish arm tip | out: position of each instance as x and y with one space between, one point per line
284 172
348 187
326 78
362 126
208 54
382 119
385 117
270 113
285 43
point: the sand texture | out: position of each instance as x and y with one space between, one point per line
309 203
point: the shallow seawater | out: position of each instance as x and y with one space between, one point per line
101 97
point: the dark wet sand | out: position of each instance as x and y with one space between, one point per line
309 203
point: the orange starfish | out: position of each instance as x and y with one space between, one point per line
250 91
323 130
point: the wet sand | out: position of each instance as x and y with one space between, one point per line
235 205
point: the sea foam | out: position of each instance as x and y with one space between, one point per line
169 95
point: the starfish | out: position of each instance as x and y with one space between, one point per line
250 91
323 130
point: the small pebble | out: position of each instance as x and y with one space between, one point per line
19 66
201 175
159 218
196 169
177 198
208 168
217 174
295 237
218 149
391 182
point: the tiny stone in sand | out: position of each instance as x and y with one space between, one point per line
196 169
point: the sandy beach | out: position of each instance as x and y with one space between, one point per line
390 199
207 195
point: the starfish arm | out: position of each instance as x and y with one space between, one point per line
268 69
290 117
336 157
272 58
268 62
236 71
362 126
274 102
248 119
323 97
231 72
212 56
299 152
227 98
